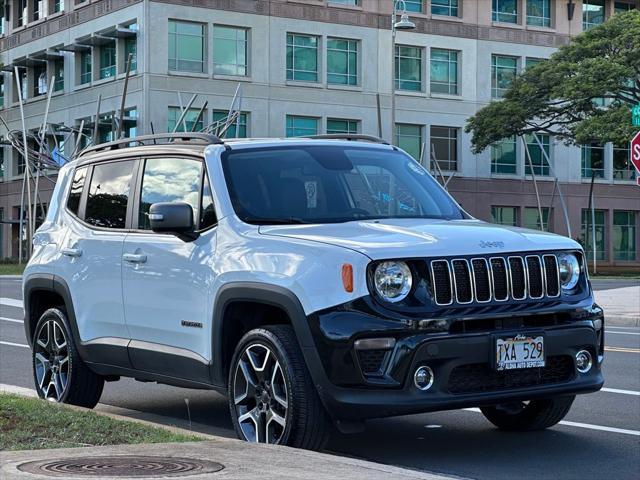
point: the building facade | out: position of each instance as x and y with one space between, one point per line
321 66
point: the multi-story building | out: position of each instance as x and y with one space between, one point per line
322 66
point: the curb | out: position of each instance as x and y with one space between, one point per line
621 320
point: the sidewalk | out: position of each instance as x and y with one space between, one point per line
621 306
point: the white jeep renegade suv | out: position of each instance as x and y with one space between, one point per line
316 282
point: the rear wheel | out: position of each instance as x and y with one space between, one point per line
271 395
60 374
525 416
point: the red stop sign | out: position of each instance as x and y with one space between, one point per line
635 154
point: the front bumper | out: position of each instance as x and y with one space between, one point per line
461 362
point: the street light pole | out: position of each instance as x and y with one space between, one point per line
399 6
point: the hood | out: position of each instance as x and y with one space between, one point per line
406 238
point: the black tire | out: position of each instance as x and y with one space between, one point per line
307 423
536 415
81 386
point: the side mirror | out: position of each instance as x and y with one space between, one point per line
176 218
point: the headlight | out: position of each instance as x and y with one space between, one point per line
569 270
393 281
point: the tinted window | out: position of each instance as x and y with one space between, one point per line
322 184
77 185
207 210
109 194
169 180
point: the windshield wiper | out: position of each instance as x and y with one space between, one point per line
274 221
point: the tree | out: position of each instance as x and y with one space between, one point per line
583 93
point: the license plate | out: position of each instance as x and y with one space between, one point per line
521 351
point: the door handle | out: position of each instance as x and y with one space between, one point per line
134 258
71 252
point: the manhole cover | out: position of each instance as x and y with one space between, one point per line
121 466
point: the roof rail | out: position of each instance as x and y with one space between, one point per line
198 138
350 137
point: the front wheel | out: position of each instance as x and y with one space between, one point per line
526 416
271 395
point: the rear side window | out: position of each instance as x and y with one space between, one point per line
207 210
77 185
109 194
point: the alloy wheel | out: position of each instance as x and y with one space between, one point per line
260 395
52 363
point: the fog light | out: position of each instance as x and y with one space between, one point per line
584 362
423 378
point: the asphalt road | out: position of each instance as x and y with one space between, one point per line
600 439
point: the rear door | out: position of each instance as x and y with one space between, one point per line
167 280
97 212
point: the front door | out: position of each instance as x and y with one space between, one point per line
167 280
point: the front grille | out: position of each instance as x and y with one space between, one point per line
480 377
371 361
481 280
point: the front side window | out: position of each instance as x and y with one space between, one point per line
444 71
240 122
538 159
539 13
108 60
587 233
85 67
208 216
339 126
505 11
409 138
531 218
298 126
503 73
503 156
230 46
408 68
504 215
302 58
190 122
448 8
186 46
342 61
593 13
444 145
169 180
331 184
592 160
109 194
624 235
75 193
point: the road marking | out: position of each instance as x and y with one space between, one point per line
621 333
617 390
588 426
14 320
11 302
622 349
11 344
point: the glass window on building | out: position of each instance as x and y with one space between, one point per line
342 61
505 11
623 7
592 160
409 138
593 13
587 235
40 80
503 72
1 90
339 126
173 115
130 129
351 3
58 6
532 61
622 167
108 60
504 215
414 5
298 126
444 71
444 144
219 115
538 160
85 67
2 25
186 46
503 156
408 68
624 235
106 128
230 50
58 75
531 218
539 13
447 8
131 48
302 58
19 161
1 163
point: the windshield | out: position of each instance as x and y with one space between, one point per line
331 184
